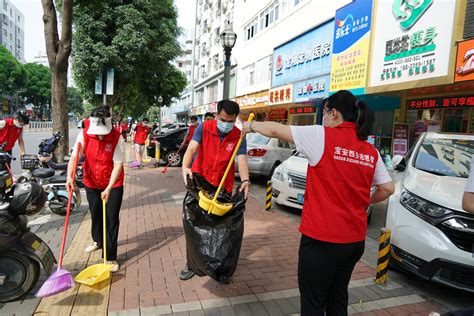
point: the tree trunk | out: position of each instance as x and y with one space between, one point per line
60 114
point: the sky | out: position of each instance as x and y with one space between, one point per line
34 30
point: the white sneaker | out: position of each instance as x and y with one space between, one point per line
114 266
92 247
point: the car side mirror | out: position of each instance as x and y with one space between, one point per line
399 163
293 152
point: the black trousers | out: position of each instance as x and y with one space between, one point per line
112 218
324 272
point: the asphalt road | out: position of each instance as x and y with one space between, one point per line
449 298
32 140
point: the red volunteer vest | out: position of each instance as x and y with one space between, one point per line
98 163
141 133
191 130
338 188
214 155
9 134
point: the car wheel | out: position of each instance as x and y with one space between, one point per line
276 164
173 158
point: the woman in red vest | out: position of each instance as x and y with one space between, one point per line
11 130
142 131
102 147
215 141
343 166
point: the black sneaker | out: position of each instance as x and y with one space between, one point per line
186 274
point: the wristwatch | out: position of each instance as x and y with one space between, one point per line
246 180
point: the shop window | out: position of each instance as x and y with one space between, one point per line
469 20
455 121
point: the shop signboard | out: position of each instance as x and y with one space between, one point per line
350 52
465 61
441 103
307 90
400 139
303 110
253 100
412 40
278 114
306 56
280 95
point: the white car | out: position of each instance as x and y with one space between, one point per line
432 236
289 183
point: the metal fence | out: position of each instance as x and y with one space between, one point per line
35 126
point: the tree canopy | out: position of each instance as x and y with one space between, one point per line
38 84
12 73
75 101
138 39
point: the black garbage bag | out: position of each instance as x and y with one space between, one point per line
212 242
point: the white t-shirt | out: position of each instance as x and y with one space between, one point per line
309 141
470 180
119 153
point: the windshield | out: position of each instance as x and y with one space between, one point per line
257 139
445 157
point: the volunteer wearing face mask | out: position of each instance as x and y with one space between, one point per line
192 128
142 132
11 130
343 166
215 141
104 155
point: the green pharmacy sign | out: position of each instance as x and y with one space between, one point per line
410 11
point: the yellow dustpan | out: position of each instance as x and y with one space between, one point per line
146 159
97 272
210 204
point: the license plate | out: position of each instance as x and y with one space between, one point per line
300 198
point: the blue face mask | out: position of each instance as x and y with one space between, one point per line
225 127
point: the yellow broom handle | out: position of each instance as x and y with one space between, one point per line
104 243
250 119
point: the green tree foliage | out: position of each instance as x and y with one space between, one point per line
12 73
38 87
75 103
138 39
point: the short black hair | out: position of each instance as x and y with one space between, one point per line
145 120
22 117
230 107
209 114
193 118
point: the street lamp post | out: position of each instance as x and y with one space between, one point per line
228 38
160 100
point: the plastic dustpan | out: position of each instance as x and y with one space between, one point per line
134 164
97 272
146 159
216 208
210 204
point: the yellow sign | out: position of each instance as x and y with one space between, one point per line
281 95
253 100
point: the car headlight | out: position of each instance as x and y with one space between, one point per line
280 173
423 208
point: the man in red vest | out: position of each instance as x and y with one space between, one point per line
189 135
11 130
141 136
215 141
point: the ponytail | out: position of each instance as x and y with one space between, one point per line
352 110
365 120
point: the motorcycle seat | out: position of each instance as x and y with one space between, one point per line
58 179
43 173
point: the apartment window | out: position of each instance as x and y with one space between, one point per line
200 97
251 29
180 65
269 15
18 18
5 5
298 2
212 92
249 71
263 69
11 37
217 33
5 33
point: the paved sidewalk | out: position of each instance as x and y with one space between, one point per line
152 253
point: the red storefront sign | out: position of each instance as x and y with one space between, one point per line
303 110
278 114
441 102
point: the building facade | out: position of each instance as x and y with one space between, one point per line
12 34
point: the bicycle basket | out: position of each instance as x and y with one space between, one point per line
29 162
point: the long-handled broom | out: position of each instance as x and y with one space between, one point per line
169 163
61 280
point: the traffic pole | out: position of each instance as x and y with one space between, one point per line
268 201
384 252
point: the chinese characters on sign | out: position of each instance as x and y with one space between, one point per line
280 95
400 139
351 47
302 110
310 54
436 103
278 114
316 87
354 157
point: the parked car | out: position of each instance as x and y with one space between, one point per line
289 183
265 154
167 127
432 236
169 146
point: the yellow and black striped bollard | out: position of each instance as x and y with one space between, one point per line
268 200
384 252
